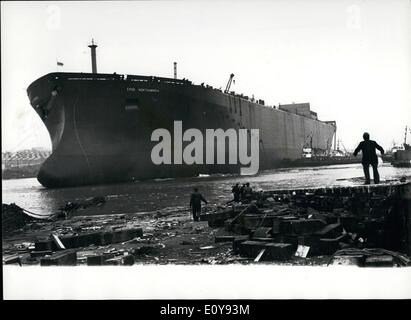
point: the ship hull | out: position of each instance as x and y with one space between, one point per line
101 126
402 158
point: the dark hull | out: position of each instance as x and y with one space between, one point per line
402 158
322 161
101 126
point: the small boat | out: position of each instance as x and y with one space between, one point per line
402 158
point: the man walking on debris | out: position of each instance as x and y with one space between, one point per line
242 191
247 191
236 191
369 157
195 204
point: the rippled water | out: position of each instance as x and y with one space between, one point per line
158 194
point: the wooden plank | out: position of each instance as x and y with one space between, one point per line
259 255
58 242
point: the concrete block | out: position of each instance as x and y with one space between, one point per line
224 238
217 219
254 221
37 254
228 225
379 261
330 246
240 229
82 240
262 232
237 242
349 223
331 218
121 235
99 260
145 250
95 260
60 258
300 226
127 260
273 251
284 238
45 245
310 241
278 251
276 226
128 234
330 231
251 248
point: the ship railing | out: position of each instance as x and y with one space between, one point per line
149 79
247 98
105 77
88 76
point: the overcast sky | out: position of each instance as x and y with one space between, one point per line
349 59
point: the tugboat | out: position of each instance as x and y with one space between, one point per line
402 158
311 157
388 156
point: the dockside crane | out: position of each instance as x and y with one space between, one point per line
338 148
227 88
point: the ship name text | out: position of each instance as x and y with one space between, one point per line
131 89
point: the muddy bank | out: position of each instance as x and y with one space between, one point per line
161 194
363 226
29 171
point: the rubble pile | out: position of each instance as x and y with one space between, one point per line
362 226
279 225
165 236
13 218
66 241
71 207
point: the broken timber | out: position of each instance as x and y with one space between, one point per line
324 219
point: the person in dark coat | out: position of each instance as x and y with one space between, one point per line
369 157
236 191
195 204
242 192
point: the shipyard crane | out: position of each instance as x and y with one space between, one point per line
405 135
338 148
227 88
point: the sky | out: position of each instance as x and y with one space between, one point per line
349 59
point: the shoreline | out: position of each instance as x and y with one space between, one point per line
29 171
281 221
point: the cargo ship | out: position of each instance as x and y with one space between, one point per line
100 125
315 158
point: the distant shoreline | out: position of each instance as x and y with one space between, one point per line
20 172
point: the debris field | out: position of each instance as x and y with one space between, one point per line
364 226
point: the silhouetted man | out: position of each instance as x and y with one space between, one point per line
242 191
195 204
247 193
236 191
369 157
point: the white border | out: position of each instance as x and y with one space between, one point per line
205 282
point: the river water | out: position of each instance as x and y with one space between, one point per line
159 194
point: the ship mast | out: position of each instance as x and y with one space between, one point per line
93 47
